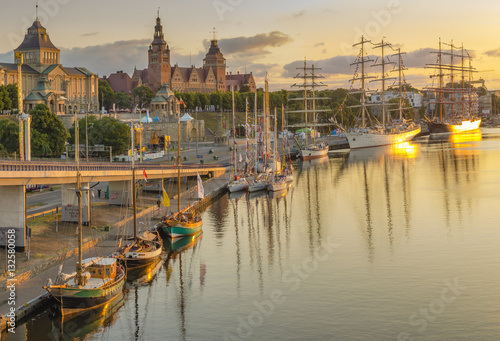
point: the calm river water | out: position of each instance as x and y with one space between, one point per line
397 243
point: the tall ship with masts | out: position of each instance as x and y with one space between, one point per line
311 149
454 102
371 132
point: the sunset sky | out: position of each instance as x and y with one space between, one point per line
260 36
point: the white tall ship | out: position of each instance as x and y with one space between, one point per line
311 149
385 132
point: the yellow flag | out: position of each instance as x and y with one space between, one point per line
166 200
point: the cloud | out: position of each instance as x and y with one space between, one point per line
419 58
257 45
108 58
341 65
299 14
90 34
493 53
319 44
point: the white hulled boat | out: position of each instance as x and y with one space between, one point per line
385 133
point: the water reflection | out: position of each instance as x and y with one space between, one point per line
182 251
51 326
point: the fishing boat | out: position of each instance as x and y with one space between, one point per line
311 149
454 104
97 280
144 250
385 132
184 222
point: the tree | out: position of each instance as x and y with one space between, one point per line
48 134
5 100
245 88
123 100
226 100
13 94
106 95
106 131
203 99
143 96
9 135
216 99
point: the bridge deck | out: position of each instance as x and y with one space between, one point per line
41 173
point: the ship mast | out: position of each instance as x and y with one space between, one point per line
400 70
305 85
362 60
383 79
79 265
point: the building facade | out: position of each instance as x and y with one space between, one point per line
45 80
209 78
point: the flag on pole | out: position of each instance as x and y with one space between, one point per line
201 190
182 102
145 175
166 200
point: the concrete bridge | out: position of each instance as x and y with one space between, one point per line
15 175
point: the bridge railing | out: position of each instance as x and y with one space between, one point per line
23 166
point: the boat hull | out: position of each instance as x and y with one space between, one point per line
277 186
309 154
237 187
182 229
74 300
260 186
135 259
446 128
368 139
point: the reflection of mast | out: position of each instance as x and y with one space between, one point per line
136 317
309 214
318 213
369 228
445 192
388 203
238 256
406 197
182 303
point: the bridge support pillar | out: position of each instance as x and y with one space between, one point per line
119 193
69 202
12 215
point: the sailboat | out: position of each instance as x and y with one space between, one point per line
238 183
456 122
184 222
144 250
260 181
310 150
97 280
277 183
383 133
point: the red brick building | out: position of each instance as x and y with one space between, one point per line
207 79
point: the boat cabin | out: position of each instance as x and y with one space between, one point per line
103 268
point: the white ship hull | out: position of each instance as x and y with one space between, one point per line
365 139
